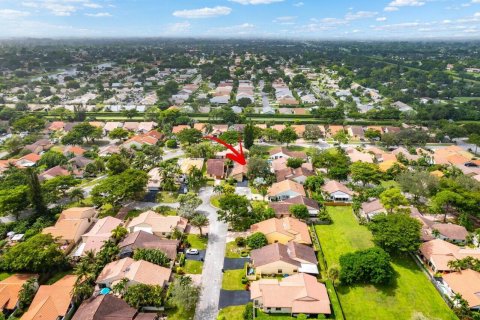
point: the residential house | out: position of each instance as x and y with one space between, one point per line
28 160
178 128
131 126
216 168
139 140
136 272
75 150
144 240
144 127
71 225
437 253
109 126
450 232
56 126
53 172
9 290
39 146
94 239
277 258
403 107
80 162
371 208
52 302
283 230
285 189
188 163
298 175
337 192
157 224
108 150
154 180
300 293
109 307
281 152
239 172
311 204
356 132
467 284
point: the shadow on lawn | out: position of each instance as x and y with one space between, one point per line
386 289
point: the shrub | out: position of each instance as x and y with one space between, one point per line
257 240
248 312
302 316
181 260
244 253
240 241
324 216
180 271
366 266
172 144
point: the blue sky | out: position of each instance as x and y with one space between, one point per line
290 19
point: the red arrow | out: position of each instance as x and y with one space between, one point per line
236 156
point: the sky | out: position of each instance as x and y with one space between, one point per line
283 19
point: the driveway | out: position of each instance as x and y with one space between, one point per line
234 263
197 257
233 298
208 304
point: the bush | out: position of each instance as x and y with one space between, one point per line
321 316
244 253
172 144
244 280
181 260
257 240
302 316
324 216
248 312
366 266
180 271
240 241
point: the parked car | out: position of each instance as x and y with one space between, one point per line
192 251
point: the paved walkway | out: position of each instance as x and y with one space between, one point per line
208 305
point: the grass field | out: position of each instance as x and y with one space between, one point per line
411 293
231 313
4 275
193 267
466 99
232 250
232 280
197 242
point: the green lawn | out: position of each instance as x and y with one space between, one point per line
4 275
231 313
193 267
390 184
232 250
197 242
179 314
232 280
411 293
466 99
214 201
167 197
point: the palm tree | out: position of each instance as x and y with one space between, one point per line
121 287
333 274
81 291
200 221
119 233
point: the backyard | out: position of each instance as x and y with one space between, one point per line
411 294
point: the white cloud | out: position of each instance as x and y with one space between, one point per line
93 5
298 4
406 3
390 9
477 14
61 8
381 19
286 20
179 27
12 14
255 2
98 15
203 12
360 15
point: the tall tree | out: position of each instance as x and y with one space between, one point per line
35 192
287 135
248 136
392 198
200 221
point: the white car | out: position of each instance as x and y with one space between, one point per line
192 251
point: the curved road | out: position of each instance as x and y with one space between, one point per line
207 308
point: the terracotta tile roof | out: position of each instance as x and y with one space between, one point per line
105 307
177 129
157 223
279 164
372 206
142 239
291 227
76 150
272 253
440 252
71 224
310 203
33 157
53 172
293 154
100 232
136 271
51 301
109 126
216 167
451 231
333 186
284 186
56 125
142 139
466 283
131 126
301 292
281 208
9 289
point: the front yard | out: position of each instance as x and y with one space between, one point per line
412 293
197 242
193 267
232 280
